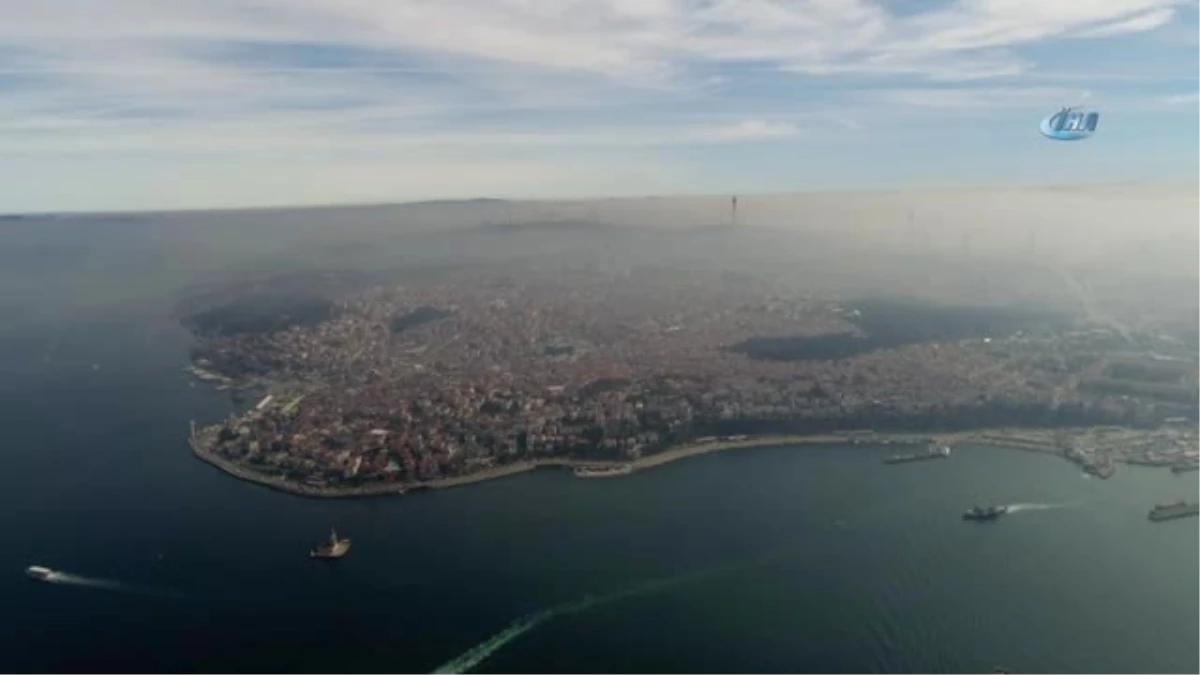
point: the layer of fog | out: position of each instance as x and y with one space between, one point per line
1131 249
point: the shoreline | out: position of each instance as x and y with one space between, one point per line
502 471
993 437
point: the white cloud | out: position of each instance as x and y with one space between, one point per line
749 130
970 25
329 136
489 81
622 38
987 98
1139 23
1182 99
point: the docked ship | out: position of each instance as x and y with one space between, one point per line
1100 467
602 471
932 453
38 573
984 512
334 548
1184 467
1179 509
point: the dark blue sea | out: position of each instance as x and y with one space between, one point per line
796 559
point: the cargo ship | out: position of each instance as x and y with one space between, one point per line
1179 509
334 548
984 512
931 453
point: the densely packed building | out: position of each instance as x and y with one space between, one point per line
423 380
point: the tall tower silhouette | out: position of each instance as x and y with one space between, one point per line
911 230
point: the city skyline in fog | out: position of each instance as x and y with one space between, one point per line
244 103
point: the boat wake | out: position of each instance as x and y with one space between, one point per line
476 655
1017 508
67 579
471 658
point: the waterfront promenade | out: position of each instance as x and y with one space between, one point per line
1021 439
500 471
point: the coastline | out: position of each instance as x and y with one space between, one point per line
504 471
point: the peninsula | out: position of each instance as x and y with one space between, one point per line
381 387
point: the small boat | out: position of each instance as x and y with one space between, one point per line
931 453
984 513
39 573
334 548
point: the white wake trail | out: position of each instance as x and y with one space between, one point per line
68 579
467 661
471 658
1017 508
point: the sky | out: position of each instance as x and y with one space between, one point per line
163 104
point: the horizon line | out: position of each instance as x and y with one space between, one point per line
1193 180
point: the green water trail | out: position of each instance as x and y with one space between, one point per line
471 658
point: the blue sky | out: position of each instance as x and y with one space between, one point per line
145 104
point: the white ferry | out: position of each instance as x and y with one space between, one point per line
39 573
